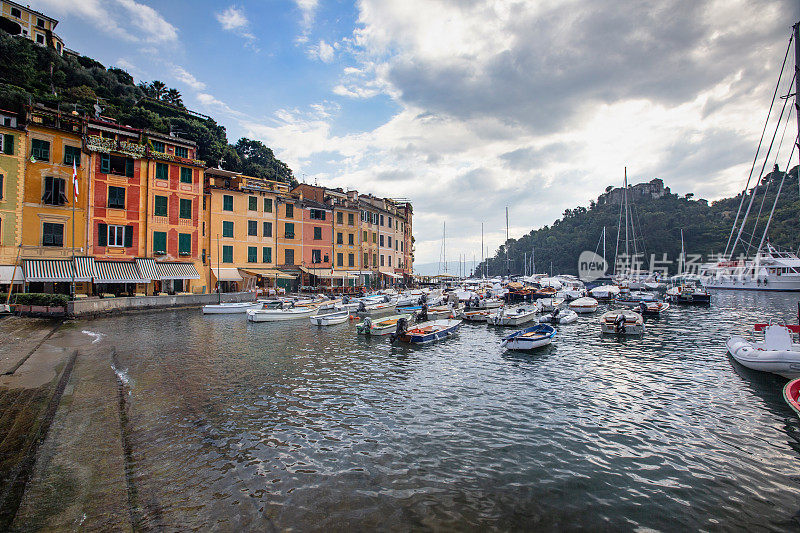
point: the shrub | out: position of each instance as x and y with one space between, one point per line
35 298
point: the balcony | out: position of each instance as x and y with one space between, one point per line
96 143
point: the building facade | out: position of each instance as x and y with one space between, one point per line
18 19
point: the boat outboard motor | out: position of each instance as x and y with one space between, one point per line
386 299
402 327
643 307
367 325
619 323
362 308
345 300
422 315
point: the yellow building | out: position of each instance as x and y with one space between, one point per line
12 169
49 231
241 216
18 19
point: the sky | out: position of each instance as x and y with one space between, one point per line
465 107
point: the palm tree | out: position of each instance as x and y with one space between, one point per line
158 88
174 97
146 89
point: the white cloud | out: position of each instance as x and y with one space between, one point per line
308 10
322 51
234 20
181 74
149 22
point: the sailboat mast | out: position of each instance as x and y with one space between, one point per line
683 255
508 270
625 199
796 95
444 245
483 266
604 246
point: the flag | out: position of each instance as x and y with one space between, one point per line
74 181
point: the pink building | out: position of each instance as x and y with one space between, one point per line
317 235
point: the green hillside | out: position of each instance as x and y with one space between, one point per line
659 221
34 74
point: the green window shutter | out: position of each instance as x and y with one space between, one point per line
252 203
268 205
102 234
289 231
105 163
8 144
128 236
227 228
129 168
185 243
227 203
289 211
160 206
252 228
252 254
227 254
186 175
267 229
159 241
266 253
162 171
185 208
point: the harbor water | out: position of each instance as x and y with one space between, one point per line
234 425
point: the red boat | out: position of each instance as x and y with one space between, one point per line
791 393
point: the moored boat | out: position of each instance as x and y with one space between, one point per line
559 316
330 319
425 332
791 393
529 338
384 326
622 322
545 305
604 292
229 308
587 304
376 309
512 317
777 353
474 316
652 308
277 315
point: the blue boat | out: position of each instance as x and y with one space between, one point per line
425 332
530 338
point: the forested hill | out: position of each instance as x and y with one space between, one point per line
35 74
658 221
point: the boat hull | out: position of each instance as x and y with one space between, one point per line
330 319
440 329
633 324
790 393
785 363
385 326
530 338
277 315
227 309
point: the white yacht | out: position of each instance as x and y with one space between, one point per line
771 270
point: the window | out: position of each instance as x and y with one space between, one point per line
374 218
316 214
54 191
267 229
204 228
339 237
252 228
116 197
382 259
340 259
366 260
1 187
160 208
350 239
181 151
289 257
52 234
114 235
390 260
7 143
268 205
204 203
374 238
252 203
266 254
227 202
389 243
40 22
252 254
185 208
162 171
72 154
289 211
390 222
366 238
40 150
16 13
317 233
401 246
186 175
381 220
374 259
159 242
340 218
121 166
204 256
227 229
158 146
40 38
351 259
351 219
316 256
288 231
227 254
381 240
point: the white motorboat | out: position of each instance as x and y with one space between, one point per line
545 305
604 292
587 304
558 316
425 332
484 303
276 315
329 319
622 322
512 317
229 308
376 309
777 353
475 316
382 326
530 338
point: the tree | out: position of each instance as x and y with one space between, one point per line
158 89
173 96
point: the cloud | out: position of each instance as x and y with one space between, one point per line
322 51
181 74
308 10
149 22
233 19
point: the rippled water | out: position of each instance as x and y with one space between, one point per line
236 425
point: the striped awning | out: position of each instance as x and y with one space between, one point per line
147 268
177 271
9 272
327 273
226 274
268 272
391 274
84 268
48 270
117 272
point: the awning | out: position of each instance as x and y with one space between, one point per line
178 271
147 268
327 273
226 274
84 268
48 270
7 271
268 273
391 274
117 272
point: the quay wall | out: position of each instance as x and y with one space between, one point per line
92 307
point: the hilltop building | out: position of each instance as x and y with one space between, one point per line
652 189
23 21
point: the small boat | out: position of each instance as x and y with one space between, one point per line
652 308
229 308
604 292
634 298
483 303
376 309
475 316
276 315
558 316
384 326
512 317
777 353
529 338
587 304
545 292
425 332
688 295
544 305
791 393
329 319
622 322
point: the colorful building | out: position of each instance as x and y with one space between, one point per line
12 172
18 19
289 242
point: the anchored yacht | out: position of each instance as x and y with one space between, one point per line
771 270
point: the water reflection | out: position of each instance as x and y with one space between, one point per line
237 425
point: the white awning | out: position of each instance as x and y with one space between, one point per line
84 268
391 274
178 271
49 270
226 274
9 271
147 268
117 272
